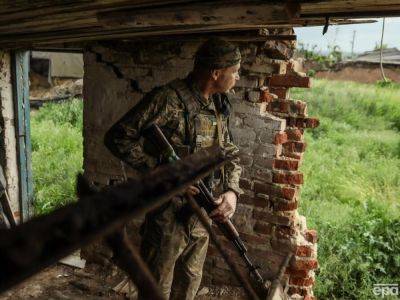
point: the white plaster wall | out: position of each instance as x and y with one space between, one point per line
10 143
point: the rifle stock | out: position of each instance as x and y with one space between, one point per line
205 200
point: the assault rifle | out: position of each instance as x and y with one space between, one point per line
205 200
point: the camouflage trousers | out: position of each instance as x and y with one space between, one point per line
174 246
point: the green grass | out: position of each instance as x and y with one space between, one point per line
352 186
56 131
352 179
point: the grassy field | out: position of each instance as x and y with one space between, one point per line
57 149
352 179
352 186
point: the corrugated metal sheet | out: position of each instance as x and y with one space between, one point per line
390 56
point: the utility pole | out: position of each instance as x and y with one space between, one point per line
381 52
352 44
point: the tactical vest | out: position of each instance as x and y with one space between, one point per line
203 128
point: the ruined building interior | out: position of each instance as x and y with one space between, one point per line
130 47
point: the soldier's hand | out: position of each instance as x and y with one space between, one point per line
226 207
192 190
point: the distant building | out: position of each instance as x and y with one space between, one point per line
390 56
55 76
366 67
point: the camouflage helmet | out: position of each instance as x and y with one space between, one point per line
216 53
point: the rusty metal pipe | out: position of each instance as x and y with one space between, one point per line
42 241
129 260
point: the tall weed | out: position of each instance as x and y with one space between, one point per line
56 131
352 183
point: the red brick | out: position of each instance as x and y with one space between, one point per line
272 218
304 251
282 93
293 155
289 80
280 138
295 146
305 264
281 106
288 178
274 190
288 193
263 227
312 122
297 273
284 232
266 96
294 134
286 164
302 122
285 205
309 281
311 236
289 107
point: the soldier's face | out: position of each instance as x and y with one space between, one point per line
225 79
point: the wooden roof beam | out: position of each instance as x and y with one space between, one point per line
355 15
205 13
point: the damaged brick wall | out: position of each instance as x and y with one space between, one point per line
267 126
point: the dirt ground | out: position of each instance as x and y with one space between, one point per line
61 282
363 75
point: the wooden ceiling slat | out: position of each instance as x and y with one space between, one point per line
32 10
47 21
206 13
91 34
347 6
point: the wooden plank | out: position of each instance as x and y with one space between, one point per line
206 13
22 109
97 34
63 22
348 6
32 9
40 40
358 14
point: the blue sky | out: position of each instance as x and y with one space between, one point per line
367 35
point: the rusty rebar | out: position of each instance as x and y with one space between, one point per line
42 241
129 260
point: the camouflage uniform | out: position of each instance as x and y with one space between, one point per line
174 241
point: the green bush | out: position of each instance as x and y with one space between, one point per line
352 183
352 179
56 131
69 111
323 61
357 254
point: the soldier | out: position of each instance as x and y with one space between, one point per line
193 113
